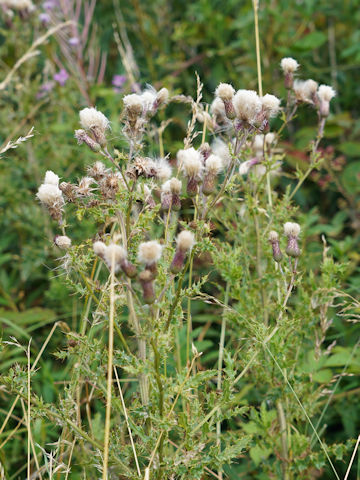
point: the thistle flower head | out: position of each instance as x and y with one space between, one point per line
82 137
217 108
247 105
185 240
291 229
213 164
97 170
148 99
326 93
175 185
99 248
62 241
225 91
305 90
221 149
163 169
273 236
162 96
190 162
84 187
91 119
51 178
50 195
149 252
133 104
114 255
289 65
271 105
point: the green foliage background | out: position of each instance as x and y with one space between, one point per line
171 40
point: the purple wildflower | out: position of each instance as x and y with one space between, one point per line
44 18
61 77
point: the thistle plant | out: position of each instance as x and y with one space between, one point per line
205 229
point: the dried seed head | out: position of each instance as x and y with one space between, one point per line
271 105
175 185
91 119
217 108
190 162
149 252
289 65
99 248
69 190
114 255
221 149
163 169
247 105
97 170
225 91
133 106
51 178
162 97
62 241
50 195
326 93
305 90
142 166
84 188
273 236
148 100
291 229
185 240
213 164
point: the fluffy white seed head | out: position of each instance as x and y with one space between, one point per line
133 103
217 108
175 185
171 186
289 65
190 162
91 118
99 248
221 149
51 178
114 254
304 90
326 93
62 241
185 240
50 195
291 229
19 4
213 164
162 96
225 91
270 138
163 169
273 236
149 252
148 98
271 105
247 105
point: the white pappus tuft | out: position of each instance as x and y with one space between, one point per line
90 119
149 252
291 229
271 105
225 91
190 162
185 240
62 241
289 65
51 178
213 164
247 105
